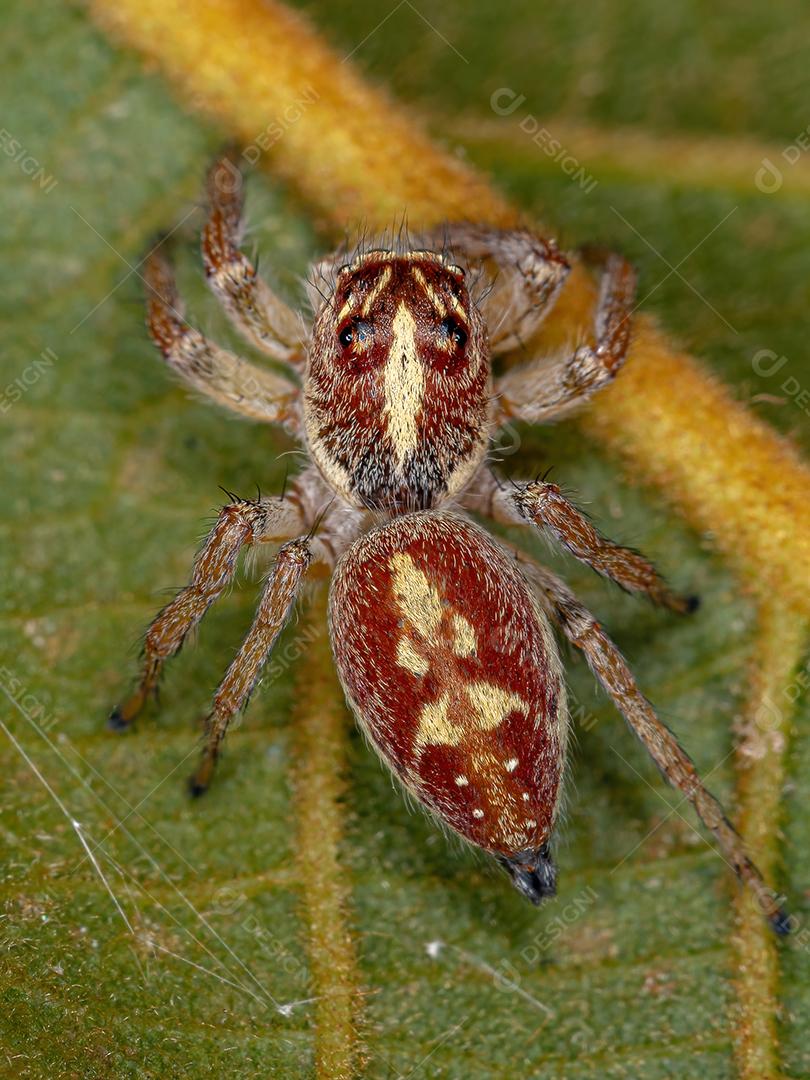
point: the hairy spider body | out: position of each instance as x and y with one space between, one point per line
441 635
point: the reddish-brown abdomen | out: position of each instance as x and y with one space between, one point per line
453 674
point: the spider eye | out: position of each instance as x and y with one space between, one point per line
455 332
356 332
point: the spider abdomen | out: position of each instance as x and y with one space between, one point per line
453 674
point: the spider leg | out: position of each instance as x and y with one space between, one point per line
252 306
548 388
525 274
278 596
612 671
331 531
239 523
543 505
220 375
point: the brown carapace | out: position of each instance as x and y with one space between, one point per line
442 636
397 398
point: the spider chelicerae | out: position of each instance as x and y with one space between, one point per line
441 635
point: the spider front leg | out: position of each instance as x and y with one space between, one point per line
543 505
547 389
612 671
220 375
252 306
525 272
239 523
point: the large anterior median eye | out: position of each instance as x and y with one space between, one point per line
453 329
357 332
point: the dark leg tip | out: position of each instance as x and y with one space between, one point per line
781 922
691 604
533 873
117 722
196 787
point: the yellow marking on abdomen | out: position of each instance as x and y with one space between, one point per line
463 706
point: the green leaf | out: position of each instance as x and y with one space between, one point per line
110 474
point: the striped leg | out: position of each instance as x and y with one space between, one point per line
278 596
525 271
549 388
239 524
610 668
252 306
544 505
228 380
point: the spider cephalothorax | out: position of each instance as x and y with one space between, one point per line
397 388
441 635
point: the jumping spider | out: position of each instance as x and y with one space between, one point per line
441 635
